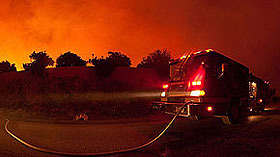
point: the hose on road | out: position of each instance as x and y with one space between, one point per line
95 154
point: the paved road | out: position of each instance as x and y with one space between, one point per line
257 135
10 147
76 138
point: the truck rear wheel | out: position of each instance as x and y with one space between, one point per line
262 106
232 116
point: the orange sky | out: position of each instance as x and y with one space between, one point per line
247 31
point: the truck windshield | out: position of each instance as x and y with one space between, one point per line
184 69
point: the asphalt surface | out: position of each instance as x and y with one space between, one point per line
256 135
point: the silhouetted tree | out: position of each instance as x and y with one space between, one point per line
69 59
118 59
158 60
5 66
105 66
39 63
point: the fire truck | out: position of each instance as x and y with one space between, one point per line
216 85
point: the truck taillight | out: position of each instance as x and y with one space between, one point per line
165 86
209 108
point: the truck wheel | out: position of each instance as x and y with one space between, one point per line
261 109
233 115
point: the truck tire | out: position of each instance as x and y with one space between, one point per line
233 115
262 107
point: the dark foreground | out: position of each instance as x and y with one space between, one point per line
257 135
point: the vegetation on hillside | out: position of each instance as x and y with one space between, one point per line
105 66
64 97
6 66
158 60
39 62
70 59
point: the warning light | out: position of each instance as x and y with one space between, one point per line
202 93
194 83
209 50
209 108
260 101
183 57
197 80
165 86
197 93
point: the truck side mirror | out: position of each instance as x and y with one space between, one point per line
224 68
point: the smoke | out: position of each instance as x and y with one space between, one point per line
246 31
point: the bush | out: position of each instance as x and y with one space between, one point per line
67 105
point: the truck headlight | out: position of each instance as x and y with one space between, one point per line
197 93
163 94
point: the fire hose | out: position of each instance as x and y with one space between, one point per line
96 154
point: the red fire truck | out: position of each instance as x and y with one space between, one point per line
215 84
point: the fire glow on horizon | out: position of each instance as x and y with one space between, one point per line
246 31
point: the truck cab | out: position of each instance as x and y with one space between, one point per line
259 93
